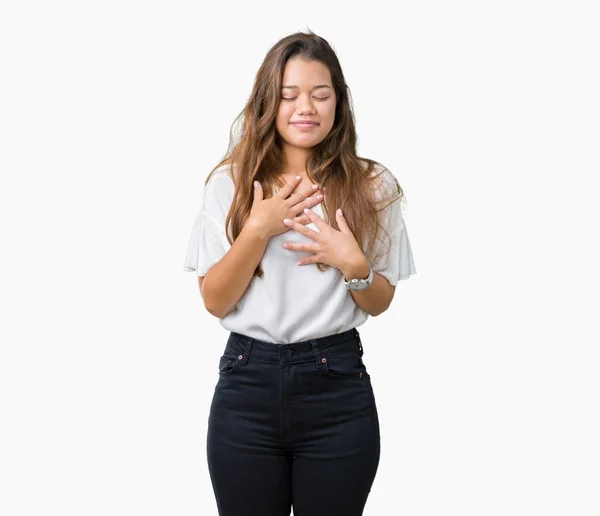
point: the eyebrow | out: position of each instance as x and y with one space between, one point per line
293 86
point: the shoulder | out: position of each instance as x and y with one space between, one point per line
221 178
384 183
220 184
219 192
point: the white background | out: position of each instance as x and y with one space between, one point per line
485 367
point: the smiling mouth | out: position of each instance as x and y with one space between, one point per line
301 125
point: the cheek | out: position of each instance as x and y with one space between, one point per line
284 116
328 117
330 113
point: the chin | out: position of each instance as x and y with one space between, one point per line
305 144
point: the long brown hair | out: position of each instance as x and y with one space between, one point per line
255 151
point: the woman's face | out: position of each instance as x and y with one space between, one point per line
312 97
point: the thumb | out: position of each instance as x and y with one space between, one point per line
258 191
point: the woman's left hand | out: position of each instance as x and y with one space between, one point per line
335 248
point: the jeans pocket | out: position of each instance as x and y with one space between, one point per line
344 365
228 365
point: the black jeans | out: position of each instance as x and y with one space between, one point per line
293 424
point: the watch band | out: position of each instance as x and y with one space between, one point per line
360 283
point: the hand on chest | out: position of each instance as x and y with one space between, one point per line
275 242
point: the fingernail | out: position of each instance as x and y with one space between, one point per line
319 196
314 187
298 177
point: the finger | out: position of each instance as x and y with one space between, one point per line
307 232
301 220
288 187
315 219
307 195
341 220
258 191
313 190
295 246
313 200
308 261
309 202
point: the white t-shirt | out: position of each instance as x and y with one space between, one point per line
291 303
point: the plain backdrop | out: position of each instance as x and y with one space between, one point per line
485 367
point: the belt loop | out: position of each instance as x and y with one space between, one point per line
317 352
248 351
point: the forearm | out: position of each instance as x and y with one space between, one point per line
377 298
227 280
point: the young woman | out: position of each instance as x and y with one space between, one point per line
293 421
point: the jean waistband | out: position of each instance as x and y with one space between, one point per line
295 351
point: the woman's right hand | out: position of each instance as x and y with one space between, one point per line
267 215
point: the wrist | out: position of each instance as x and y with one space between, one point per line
257 233
358 269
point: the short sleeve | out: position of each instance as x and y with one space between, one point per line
207 245
208 240
397 263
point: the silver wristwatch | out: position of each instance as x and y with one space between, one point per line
360 284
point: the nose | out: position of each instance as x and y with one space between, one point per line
304 105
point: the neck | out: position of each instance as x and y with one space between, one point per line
295 160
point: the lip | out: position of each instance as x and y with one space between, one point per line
305 125
304 122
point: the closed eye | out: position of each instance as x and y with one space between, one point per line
294 98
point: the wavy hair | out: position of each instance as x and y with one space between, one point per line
255 152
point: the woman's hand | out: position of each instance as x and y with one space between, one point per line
266 214
335 248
